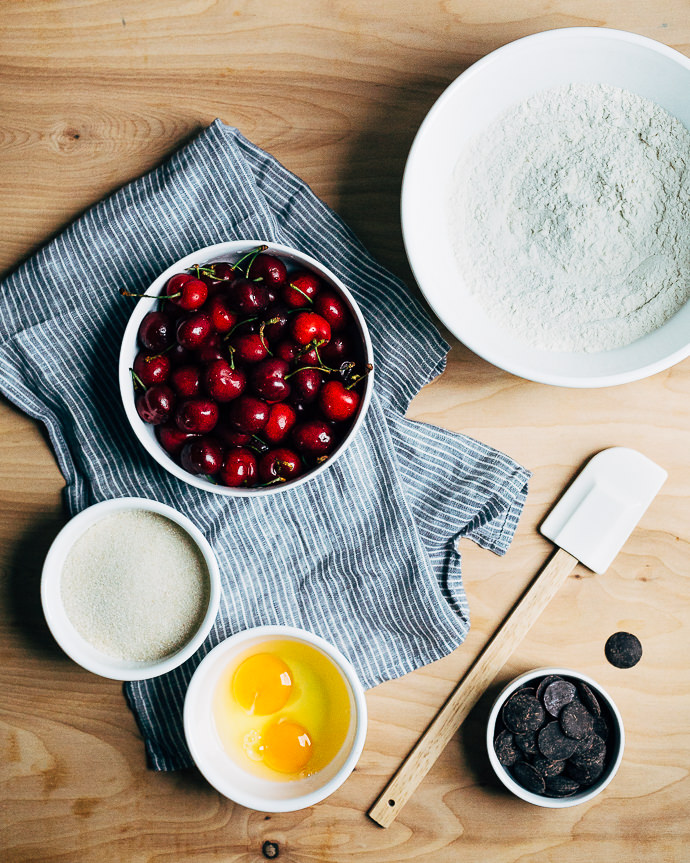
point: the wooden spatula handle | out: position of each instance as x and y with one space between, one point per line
470 689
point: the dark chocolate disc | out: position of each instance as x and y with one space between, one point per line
600 727
585 774
554 744
576 721
557 695
561 786
527 742
623 649
546 681
528 777
545 768
522 712
589 699
591 750
506 750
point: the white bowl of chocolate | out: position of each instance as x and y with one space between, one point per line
555 738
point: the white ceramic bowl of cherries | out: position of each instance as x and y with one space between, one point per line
246 368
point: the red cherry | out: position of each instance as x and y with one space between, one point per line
313 437
223 272
288 350
268 268
306 384
151 368
279 463
268 379
333 309
249 348
337 403
276 323
202 455
198 415
336 351
178 355
192 292
301 289
249 298
209 354
281 419
223 383
239 468
223 318
194 330
228 436
171 438
155 406
156 332
308 327
308 358
247 414
186 381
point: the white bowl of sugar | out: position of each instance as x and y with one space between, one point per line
130 588
546 207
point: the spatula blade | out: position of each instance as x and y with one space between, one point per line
601 507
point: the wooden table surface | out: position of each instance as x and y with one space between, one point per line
94 94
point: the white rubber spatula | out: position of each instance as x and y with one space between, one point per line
590 524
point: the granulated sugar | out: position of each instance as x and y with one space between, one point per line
136 586
570 218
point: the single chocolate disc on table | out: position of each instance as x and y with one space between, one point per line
554 744
575 720
623 649
588 698
545 768
527 742
561 786
557 695
506 750
528 777
522 712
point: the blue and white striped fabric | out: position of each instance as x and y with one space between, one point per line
364 555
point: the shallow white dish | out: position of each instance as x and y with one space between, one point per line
473 101
70 640
616 740
221 252
224 773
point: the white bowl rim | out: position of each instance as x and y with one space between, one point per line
467 337
145 304
109 667
502 773
198 684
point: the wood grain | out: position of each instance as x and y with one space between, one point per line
95 93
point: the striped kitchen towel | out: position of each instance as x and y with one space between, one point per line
366 554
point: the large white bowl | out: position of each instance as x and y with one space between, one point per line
228 777
228 252
472 102
64 632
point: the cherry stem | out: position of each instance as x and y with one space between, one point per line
316 368
125 293
137 381
231 351
263 340
358 378
250 254
239 324
206 270
273 481
300 291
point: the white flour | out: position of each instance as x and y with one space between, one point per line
570 218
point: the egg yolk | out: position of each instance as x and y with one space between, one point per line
287 746
262 684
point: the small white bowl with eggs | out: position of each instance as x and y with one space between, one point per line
130 588
275 718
